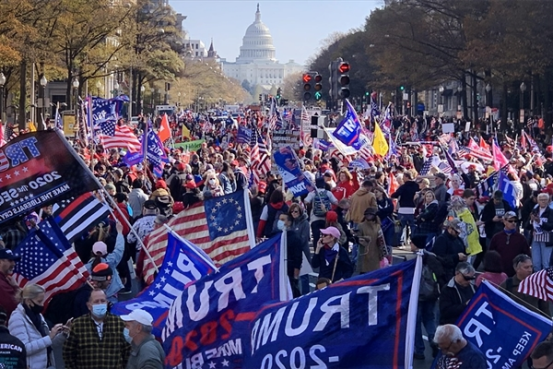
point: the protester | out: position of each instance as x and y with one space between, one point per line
425 221
320 201
331 259
509 243
361 200
493 213
294 252
541 223
542 355
456 351
456 294
9 290
13 354
371 247
267 227
493 269
137 198
406 206
146 352
96 339
27 324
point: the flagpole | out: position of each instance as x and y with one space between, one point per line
412 312
249 220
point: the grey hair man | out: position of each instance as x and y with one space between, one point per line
456 294
456 351
146 352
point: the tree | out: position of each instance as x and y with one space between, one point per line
292 87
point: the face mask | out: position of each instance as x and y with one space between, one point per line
211 181
99 310
37 309
126 335
280 225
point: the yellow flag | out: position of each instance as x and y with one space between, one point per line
380 145
32 127
186 131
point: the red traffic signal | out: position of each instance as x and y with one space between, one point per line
306 78
344 67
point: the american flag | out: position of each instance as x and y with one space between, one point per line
114 136
426 166
275 121
83 132
538 285
58 117
75 216
304 116
445 168
218 226
47 259
261 155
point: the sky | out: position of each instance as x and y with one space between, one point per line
298 27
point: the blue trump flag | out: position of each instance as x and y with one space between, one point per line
183 263
349 130
508 188
289 168
505 331
207 326
361 322
244 135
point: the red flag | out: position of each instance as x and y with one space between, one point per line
393 183
164 133
523 141
500 160
483 144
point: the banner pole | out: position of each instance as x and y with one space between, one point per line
412 312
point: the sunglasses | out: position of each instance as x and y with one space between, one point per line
511 221
295 212
469 278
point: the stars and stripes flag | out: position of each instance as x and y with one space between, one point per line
261 155
220 226
114 136
445 168
538 285
484 188
58 117
426 166
275 121
47 259
76 215
532 144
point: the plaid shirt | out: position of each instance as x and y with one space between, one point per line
83 349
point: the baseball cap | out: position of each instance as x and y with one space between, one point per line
332 231
509 215
9 255
99 247
441 176
139 316
454 224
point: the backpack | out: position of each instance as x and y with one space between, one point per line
428 286
321 198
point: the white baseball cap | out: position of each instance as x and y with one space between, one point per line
139 316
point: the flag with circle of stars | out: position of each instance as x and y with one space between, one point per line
47 259
225 215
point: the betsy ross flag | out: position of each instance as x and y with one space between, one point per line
219 226
47 259
114 136
75 216
538 285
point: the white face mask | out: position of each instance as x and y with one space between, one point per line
212 181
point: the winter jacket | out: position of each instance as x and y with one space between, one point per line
452 302
343 270
7 294
509 246
406 193
361 200
294 252
149 354
14 350
371 247
301 227
21 326
447 248
425 220
268 218
487 215
137 197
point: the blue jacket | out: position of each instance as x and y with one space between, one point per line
113 259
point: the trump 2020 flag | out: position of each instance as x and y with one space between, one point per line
289 168
349 130
505 331
47 259
221 226
208 324
361 322
183 263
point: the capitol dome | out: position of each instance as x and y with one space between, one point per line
257 43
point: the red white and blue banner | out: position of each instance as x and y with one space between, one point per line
361 322
291 172
184 263
505 331
208 324
39 169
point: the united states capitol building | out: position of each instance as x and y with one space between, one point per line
256 63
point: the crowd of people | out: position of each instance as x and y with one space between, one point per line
349 224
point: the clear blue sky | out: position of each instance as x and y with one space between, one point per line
298 27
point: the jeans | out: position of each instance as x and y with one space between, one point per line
407 220
426 315
541 255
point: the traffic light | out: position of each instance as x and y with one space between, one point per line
344 80
278 97
401 88
318 87
261 98
307 80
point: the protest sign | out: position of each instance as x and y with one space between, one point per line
289 169
190 146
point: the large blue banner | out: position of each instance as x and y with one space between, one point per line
349 130
183 263
505 331
291 172
358 323
207 325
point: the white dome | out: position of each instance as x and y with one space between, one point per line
257 43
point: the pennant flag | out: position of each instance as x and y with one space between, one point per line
164 132
380 145
349 130
499 158
114 136
47 259
75 216
538 285
183 263
508 189
38 169
220 226
208 325
185 132
362 322
505 331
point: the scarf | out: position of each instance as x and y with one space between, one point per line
330 253
509 232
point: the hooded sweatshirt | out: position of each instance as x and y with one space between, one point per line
361 200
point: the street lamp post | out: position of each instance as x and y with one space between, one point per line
2 83
76 94
179 98
460 89
441 99
43 82
522 88
141 107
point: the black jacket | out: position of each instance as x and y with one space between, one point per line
489 212
13 353
344 265
294 252
406 193
447 248
452 303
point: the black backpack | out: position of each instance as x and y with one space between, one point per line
428 286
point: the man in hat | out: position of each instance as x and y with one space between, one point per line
450 247
509 243
10 293
440 190
146 352
493 212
